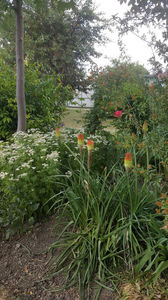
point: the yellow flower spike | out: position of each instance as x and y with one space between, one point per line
80 139
128 161
57 132
90 145
80 142
145 127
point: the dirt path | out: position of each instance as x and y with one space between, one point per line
23 264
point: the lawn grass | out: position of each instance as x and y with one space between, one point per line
74 118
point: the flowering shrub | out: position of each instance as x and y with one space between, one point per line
28 166
119 93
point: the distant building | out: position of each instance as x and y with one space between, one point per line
82 100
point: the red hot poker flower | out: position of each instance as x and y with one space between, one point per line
128 161
58 133
90 145
80 139
145 127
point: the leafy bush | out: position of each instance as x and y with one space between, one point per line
114 89
8 108
46 98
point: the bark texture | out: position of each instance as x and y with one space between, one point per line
20 95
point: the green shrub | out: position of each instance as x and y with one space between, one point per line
46 98
118 87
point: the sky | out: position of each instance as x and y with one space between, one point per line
137 50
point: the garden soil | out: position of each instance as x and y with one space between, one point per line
24 264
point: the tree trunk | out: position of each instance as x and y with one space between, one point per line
20 96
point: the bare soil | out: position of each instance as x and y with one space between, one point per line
24 265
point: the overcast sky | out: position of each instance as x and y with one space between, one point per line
136 48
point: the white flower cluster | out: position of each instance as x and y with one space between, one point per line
53 156
3 175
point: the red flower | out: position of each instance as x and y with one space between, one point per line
118 113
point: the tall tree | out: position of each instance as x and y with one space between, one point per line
62 41
148 12
17 6
20 95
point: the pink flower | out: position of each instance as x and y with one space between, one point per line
118 113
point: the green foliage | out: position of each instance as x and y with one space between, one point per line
140 13
28 167
110 223
46 98
8 108
120 87
114 218
61 37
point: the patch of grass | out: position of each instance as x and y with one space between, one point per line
74 118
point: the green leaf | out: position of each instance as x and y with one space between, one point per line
162 266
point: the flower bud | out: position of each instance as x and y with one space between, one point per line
90 145
145 127
57 132
80 139
128 161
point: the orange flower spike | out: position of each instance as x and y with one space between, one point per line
57 132
80 142
90 145
128 161
145 127
80 139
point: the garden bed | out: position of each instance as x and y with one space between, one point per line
23 265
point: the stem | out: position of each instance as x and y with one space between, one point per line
129 190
